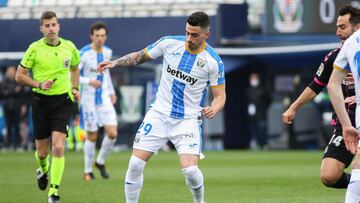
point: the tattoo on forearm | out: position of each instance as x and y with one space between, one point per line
132 59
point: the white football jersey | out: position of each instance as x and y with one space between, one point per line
88 65
348 60
185 76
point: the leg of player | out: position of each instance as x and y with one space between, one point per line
106 146
89 154
134 175
57 163
353 190
193 175
332 173
42 158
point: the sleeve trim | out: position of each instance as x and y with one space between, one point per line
217 86
24 66
147 53
340 69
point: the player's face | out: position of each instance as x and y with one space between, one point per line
50 28
344 28
195 36
98 37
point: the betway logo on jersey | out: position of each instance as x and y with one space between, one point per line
181 75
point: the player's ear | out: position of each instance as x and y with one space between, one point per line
207 34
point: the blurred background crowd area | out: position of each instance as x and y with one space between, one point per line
271 50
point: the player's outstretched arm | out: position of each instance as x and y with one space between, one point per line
218 102
131 59
334 88
306 96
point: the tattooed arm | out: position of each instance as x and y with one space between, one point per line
131 59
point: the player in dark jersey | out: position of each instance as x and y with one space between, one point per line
336 158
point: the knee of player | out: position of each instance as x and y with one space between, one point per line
112 135
193 176
42 154
328 179
136 164
58 149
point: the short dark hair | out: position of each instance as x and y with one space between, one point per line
353 11
46 16
97 26
199 18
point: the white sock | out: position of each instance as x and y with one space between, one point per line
195 181
134 179
89 154
353 190
106 147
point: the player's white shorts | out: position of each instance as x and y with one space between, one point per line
94 116
157 129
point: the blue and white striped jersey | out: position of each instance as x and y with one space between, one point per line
88 65
185 76
348 60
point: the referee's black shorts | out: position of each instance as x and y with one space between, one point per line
336 148
51 113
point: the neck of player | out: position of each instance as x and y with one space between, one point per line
96 48
52 42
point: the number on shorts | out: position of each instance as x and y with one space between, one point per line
336 140
147 127
89 116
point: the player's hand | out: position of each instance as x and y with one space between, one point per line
76 94
350 100
209 112
288 116
95 83
46 85
105 65
113 98
351 138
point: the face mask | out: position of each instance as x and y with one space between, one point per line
254 83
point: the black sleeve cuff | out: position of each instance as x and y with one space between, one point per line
315 87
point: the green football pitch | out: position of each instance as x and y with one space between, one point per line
230 177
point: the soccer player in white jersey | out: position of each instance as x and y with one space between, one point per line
348 60
97 99
190 65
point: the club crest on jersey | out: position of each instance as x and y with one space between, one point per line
200 63
66 63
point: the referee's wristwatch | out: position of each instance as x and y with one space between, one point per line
75 88
39 86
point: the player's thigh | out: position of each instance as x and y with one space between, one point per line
186 135
151 135
187 160
331 169
106 115
88 118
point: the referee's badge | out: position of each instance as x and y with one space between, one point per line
200 63
66 63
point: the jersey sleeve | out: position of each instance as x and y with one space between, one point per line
28 59
341 61
323 73
156 49
217 73
75 58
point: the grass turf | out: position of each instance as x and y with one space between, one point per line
230 177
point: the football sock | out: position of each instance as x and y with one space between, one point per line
343 181
56 172
195 181
89 154
106 146
134 179
353 190
43 163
